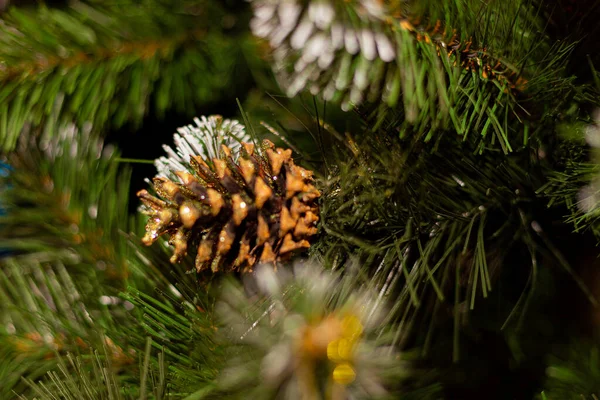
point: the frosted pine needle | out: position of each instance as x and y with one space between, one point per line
203 139
321 38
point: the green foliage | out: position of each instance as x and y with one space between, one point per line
484 81
575 376
70 257
74 380
71 196
110 63
575 178
182 328
435 223
504 29
65 209
435 226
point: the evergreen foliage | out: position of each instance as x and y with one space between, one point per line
457 200
445 73
110 63
575 376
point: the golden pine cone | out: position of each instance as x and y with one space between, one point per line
260 207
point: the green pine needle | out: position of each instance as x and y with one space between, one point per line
111 63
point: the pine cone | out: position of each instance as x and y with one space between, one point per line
259 207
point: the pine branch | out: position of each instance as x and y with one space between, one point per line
574 181
74 380
444 77
435 227
68 259
182 327
74 279
575 375
72 196
111 63
48 314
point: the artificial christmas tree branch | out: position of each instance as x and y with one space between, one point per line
68 258
574 182
366 52
55 210
110 64
440 261
73 379
436 225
